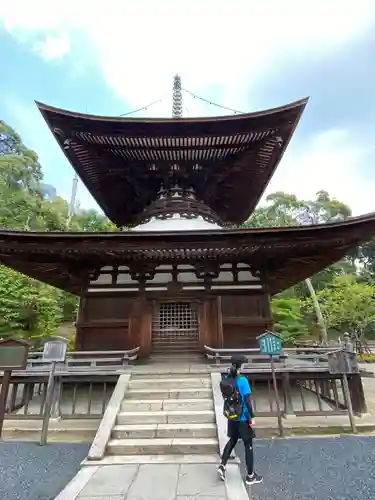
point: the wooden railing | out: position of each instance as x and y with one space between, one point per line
85 360
291 357
75 396
304 382
83 384
298 396
86 397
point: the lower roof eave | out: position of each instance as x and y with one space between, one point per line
286 255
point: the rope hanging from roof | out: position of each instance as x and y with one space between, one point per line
235 111
144 108
177 104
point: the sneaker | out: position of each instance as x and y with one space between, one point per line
221 472
253 478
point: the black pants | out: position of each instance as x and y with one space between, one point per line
236 431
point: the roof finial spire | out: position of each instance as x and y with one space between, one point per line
177 98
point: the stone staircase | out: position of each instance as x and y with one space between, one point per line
177 346
166 414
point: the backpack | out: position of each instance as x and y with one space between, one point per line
233 405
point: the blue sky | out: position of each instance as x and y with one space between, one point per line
240 54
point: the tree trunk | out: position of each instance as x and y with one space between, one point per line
319 316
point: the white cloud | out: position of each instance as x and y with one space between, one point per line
52 47
329 161
140 45
220 48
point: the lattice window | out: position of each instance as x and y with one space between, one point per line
176 320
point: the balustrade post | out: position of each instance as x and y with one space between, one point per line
56 397
357 394
288 399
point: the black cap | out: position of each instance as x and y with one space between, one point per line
238 360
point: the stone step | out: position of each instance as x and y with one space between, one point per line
154 459
170 346
191 372
169 383
167 354
166 404
162 445
167 347
166 417
190 344
199 393
151 431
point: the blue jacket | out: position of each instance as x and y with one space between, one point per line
244 389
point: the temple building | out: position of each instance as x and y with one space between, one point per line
179 277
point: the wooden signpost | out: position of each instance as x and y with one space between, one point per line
13 356
271 344
344 362
54 352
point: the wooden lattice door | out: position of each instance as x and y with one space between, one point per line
175 327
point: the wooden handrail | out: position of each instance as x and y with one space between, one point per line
79 358
255 350
224 354
87 353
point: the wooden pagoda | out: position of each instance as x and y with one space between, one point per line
177 279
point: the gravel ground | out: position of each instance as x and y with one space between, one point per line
338 468
32 472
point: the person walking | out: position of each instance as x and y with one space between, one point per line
236 392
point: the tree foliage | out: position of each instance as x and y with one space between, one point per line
347 305
30 309
289 320
344 290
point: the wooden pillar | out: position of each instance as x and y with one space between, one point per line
266 312
140 325
79 341
357 394
220 334
203 324
211 323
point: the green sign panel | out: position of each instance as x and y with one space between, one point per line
270 344
12 357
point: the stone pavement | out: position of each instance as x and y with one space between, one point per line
148 482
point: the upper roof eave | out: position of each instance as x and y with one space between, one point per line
243 142
301 103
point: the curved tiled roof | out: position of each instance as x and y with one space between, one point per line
285 256
123 161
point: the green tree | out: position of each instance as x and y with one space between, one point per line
18 164
29 309
347 305
289 320
366 256
91 221
284 209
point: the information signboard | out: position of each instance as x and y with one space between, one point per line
270 344
55 351
13 354
343 362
